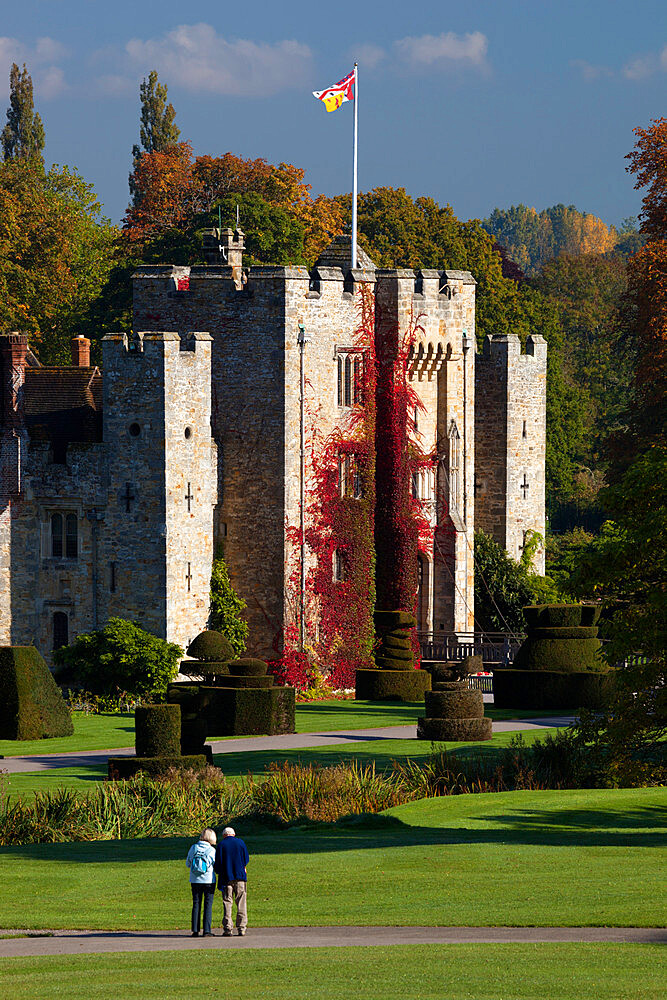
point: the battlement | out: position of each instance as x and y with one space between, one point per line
501 347
147 343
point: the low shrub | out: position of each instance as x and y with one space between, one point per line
120 657
101 704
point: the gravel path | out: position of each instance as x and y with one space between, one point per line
289 741
90 942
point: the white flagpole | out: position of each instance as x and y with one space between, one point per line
354 168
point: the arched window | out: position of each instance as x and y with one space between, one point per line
350 381
454 465
60 630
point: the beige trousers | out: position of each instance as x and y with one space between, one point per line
235 892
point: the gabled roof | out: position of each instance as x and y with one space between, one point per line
339 254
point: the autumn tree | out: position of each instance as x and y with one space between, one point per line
158 129
23 135
56 253
532 238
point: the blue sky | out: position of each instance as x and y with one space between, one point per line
480 105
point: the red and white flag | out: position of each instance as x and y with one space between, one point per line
338 94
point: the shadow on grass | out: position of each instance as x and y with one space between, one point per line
640 827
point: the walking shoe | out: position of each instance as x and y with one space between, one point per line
241 932
226 933
210 934
195 933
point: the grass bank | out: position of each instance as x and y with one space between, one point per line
113 732
567 858
380 751
430 972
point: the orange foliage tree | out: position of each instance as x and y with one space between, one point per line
648 277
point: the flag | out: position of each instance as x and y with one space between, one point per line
338 94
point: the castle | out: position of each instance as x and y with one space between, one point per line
117 485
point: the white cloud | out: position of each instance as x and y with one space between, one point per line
589 71
369 56
40 59
194 56
644 66
446 50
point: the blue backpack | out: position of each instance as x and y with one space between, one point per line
199 862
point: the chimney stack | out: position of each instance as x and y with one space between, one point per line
80 352
13 352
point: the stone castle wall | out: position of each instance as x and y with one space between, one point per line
511 441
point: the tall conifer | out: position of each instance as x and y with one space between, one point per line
23 135
158 129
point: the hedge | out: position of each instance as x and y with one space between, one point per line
200 668
391 642
31 705
454 729
395 652
562 655
391 685
561 615
127 767
248 667
239 711
551 689
393 663
386 621
461 704
157 730
211 646
239 681
575 632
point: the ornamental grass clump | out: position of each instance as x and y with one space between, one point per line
293 793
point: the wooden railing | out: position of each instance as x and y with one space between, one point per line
494 648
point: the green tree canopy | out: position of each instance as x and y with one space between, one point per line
503 587
23 135
56 253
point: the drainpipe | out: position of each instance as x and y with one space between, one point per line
302 340
466 348
94 516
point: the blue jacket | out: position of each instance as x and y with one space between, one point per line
202 847
231 857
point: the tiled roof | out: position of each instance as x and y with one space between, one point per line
63 405
52 390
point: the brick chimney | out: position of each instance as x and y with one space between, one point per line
80 352
13 352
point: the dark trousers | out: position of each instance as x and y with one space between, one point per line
207 891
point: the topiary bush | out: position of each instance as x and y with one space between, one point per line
31 705
120 657
211 647
391 685
157 730
454 730
542 689
249 667
126 767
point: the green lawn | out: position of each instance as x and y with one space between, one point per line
112 732
427 972
236 765
512 858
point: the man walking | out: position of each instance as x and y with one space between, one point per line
231 858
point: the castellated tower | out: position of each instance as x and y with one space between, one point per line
510 432
158 525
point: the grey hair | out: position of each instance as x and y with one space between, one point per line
209 836
229 832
